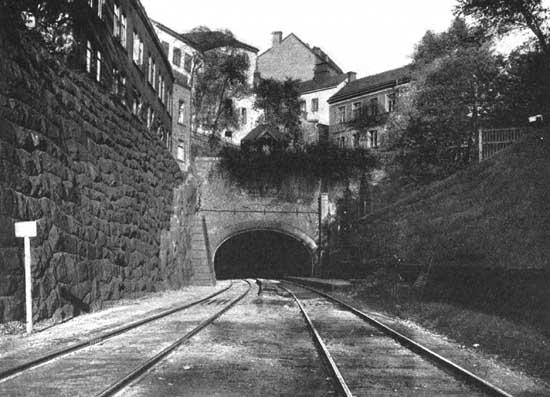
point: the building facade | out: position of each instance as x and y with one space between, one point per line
359 111
243 104
124 55
184 59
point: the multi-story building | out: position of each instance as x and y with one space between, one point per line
247 116
123 54
186 53
184 59
320 78
359 111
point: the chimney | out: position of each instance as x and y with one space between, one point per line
351 76
276 38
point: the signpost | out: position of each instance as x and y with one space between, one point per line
26 230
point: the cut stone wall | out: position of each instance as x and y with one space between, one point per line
102 188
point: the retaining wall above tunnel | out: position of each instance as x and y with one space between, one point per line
229 211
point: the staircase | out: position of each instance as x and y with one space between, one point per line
203 269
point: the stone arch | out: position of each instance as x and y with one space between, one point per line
263 225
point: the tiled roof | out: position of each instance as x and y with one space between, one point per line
320 84
205 41
373 83
173 33
258 131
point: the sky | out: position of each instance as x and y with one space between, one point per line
364 36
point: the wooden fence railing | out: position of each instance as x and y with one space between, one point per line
492 141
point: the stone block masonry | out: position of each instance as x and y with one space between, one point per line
113 207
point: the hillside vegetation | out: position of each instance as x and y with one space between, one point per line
492 215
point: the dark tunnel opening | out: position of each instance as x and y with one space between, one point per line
262 254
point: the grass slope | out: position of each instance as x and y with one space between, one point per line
495 214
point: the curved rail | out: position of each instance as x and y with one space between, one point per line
416 347
142 368
339 381
19 369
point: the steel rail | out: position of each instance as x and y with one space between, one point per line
19 369
339 381
236 211
145 366
416 347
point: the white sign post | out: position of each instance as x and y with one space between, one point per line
26 230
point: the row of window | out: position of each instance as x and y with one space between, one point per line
120 28
358 109
357 140
177 57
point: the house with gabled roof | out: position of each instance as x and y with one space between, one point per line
359 112
265 138
320 78
292 58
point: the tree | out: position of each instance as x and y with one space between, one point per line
52 20
221 78
503 16
458 80
528 87
280 102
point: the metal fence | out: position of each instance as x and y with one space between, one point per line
492 141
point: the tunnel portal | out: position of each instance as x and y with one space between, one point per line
262 254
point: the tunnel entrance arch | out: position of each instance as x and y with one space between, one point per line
263 249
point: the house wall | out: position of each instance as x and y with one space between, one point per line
323 114
181 126
291 58
173 43
342 134
252 117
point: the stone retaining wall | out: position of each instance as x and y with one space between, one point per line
100 185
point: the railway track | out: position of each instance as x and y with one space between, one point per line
366 357
106 364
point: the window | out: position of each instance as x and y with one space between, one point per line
187 62
89 57
98 67
181 112
373 106
391 102
123 33
91 3
303 108
100 5
116 21
315 105
229 134
161 88
373 139
341 115
154 75
228 107
356 110
116 81
138 50
176 58
165 47
123 89
180 154
243 116
150 70
355 142
149 118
